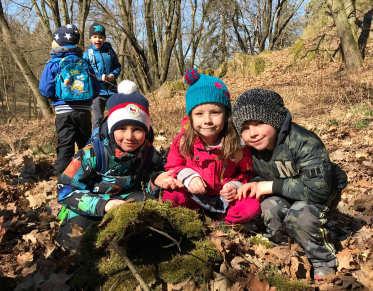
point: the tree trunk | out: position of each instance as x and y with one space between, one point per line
350 48
82 18
16 54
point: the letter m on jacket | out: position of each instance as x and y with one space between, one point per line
285 169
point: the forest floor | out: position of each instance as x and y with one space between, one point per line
322 98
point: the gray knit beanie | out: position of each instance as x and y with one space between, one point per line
260 105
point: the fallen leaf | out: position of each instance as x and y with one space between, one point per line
345 260
25 258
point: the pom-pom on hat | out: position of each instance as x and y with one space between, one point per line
128 109
204 89
259 105
67 35
127 87
97 29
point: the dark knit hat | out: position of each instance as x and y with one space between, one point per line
67 35
260 105
128 108
204 89
97 28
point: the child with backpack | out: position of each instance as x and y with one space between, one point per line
106 66
119 165
67 82
206 155
294 178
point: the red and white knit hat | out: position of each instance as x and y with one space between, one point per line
128 109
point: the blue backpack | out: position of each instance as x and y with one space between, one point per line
73 81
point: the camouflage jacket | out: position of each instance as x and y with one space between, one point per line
126 173
299 166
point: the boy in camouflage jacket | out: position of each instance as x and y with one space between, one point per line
119 166
295 179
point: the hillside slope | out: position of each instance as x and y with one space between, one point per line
322 98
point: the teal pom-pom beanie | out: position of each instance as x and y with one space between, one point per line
204 89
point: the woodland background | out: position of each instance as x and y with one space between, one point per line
317 54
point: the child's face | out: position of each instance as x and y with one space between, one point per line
129 137
259 135
208 121
98 40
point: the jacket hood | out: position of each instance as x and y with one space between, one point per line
284 129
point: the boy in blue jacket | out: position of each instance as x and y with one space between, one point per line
119 166
71 102
106 66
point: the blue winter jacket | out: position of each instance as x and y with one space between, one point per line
47 85
104 61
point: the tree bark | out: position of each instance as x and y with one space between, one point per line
350 49
19 59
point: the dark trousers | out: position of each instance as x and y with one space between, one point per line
98 108
72 127
302 221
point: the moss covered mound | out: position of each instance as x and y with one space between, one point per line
164 244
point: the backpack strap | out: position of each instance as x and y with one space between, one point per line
102 158
92 59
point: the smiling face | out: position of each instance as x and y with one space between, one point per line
98 40
129 137
259 135
208 121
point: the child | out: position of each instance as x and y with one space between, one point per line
73 117
106 66
206 155
296 180
121 166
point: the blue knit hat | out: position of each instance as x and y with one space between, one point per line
128 108
204 89
67 35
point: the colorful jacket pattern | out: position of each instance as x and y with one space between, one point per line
84 191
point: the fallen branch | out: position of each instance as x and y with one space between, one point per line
175 242
129 264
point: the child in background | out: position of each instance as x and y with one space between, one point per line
295 181
106 66
73 117
123 167
206 155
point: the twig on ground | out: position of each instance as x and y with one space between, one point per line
128 262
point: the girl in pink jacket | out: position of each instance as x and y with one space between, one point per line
206 155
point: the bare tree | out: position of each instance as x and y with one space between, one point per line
22 64
350 49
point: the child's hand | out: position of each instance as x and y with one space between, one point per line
113 203
110 78
197 186
255 190
229 192
166 181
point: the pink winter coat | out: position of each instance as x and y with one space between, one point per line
206 163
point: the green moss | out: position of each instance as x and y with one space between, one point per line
198 264
260 240
282 283
257 65
126 281
333 122
297 49
362 123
